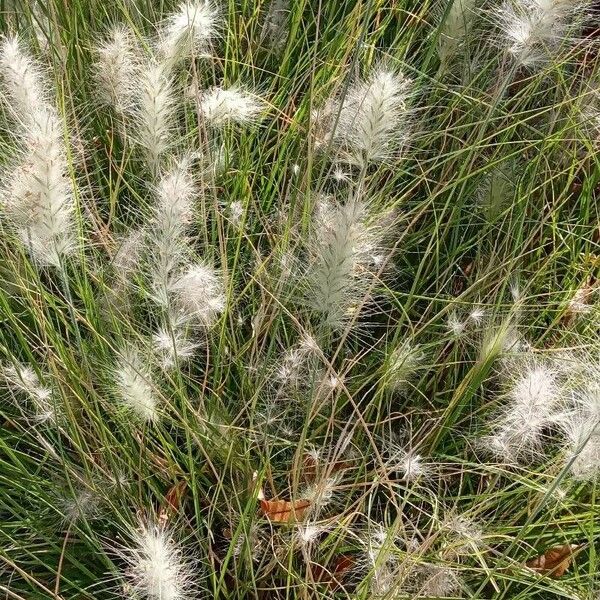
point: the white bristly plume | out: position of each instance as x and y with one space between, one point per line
438 581
191 294
37 195
344 249
188 31
175 194
534 30
22 379
583 447
373 122
23 79
174 346
530 408
154 110
198 295
581 427
293 369
134 387
220 106
410 465
117 69
158 568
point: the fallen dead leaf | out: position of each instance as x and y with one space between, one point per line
334 574
554 562
172 503
310 467
282 511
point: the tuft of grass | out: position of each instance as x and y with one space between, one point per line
298 300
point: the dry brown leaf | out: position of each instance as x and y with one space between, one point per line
554 562
310 467
282 511
334 574
172 503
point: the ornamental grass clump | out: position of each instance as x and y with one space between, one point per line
299 303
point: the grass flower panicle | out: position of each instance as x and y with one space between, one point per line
344 248
188 31
158 568
532 406
117 69
198 295
175 193
38 195
154 111
372 122
534 30
22 379
24 81
134 385
219 106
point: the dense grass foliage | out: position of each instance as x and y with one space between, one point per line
299 299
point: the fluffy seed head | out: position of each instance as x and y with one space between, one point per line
157 567
320 494
188 31
373 119
533 30
175 194
309 533
411 466
341 268
82 506
117 69
438 581
464 536
294 368
583 447
38 197
154 110
37 194
455 325
22 379
198 295
174 346
477 315
537 388
220 106
530 408
133 380
23 80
